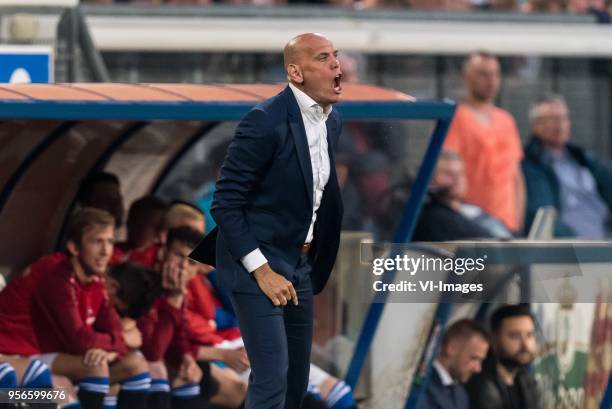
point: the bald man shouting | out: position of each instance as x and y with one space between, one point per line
279 212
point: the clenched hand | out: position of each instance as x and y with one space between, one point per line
276 287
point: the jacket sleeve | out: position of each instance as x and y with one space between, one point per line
602 173
483 393
248 156
200 331
108 321
158 329
541 191
57 302
199 311
179 344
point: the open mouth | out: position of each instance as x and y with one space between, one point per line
337 83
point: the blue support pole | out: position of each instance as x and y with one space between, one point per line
402 235
421 376
606 401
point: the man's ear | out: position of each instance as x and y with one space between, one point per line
72 248
294 74
451 348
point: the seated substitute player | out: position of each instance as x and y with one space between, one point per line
165 343
178 214
60 308
202 311
144 225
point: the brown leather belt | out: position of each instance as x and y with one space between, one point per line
305 248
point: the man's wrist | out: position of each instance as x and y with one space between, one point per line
261 271
253 260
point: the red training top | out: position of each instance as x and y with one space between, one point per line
71 318
164 333
16 333
147 256
201 305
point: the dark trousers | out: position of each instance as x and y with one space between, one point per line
278 342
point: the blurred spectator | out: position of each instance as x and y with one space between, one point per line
505 381
188 2
342 3
353 212
445 216
584 6
151 2
545 6
365 152
462 351
144 227
562 175
144 222
487 139
102 190
598 8
441 5
497 5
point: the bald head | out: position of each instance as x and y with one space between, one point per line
298 46
481 73
312 65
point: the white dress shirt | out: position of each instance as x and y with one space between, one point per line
314 117
445 377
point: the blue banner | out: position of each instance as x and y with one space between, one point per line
26 65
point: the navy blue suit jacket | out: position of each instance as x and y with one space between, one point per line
264 197
438 396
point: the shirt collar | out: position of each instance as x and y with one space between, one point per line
550 156
309 107
445 377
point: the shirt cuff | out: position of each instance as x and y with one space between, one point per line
253 260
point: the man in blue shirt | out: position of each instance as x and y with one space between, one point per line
562 175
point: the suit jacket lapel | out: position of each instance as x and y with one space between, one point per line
301 142
442 395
